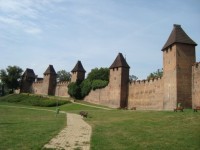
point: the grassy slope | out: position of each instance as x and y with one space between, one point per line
124 130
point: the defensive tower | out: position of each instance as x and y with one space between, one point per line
78 73
178 58
27 80
118 81
49 81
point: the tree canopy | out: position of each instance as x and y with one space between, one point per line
11 77
132 78
96 79
99 74
157 74
63 75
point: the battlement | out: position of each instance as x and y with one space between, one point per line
38 82
139 82
63 83
196 65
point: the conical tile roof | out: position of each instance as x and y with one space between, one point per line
78 67
178 35
50 70
119 62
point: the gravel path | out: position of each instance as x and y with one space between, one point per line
75 136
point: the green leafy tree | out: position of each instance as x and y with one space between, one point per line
99 74
86 87
97 78
157 74
74 90
11 77
132 78
98 84
63 75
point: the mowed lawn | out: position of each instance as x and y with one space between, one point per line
111 129
138 130
25 129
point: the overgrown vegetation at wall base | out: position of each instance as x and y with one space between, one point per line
79 90
33 100
96 79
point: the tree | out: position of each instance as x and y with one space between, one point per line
63 75
99 74
74 90
11 77
96 79
132 78
157 74
86 86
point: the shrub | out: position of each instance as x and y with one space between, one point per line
86 86
74 90
99 74
33 100
98 84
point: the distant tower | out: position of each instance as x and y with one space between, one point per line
118 81
27 80
178 57
49 81
78 73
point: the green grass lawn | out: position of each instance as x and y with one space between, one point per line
112 129
25 129
129 130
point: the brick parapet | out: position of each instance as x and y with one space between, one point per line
138 82
63 83
196 66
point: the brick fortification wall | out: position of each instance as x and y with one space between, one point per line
196 85
146 94
37 87
62 89
180 82
100 96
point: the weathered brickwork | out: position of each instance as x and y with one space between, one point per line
196 85
180 82
61 89
146 94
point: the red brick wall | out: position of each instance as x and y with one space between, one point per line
146 94
196 85
38 88
62 89
185 60
169 78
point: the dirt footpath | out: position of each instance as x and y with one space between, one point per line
75 136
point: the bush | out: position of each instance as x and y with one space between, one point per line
86 86
74 90
98 84
32 100
99 74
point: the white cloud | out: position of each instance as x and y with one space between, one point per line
24 14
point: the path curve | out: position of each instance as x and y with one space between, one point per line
76 135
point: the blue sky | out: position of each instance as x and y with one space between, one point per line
36 33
